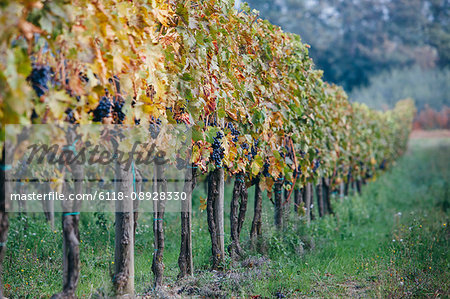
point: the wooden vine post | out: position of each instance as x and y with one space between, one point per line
278 201
256 231
70 221
123 279
212 210
158 221
320 201
237 215
185 260
220 213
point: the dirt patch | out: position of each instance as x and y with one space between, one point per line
216 284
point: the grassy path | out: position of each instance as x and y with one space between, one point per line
391 241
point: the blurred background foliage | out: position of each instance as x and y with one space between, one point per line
380 51
429 87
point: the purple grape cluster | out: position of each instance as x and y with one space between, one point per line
117 108
103 109
234 132
250 154
39 77
83 77
316 165
254 150
218 152
212 122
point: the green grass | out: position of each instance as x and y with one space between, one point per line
391 241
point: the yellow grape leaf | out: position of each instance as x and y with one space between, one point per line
257 165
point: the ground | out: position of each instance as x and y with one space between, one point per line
392 241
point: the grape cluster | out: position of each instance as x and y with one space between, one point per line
218 151
103 109
383 165
212 122
155 128
83 77
234 132
316 165
266 170
254 150
117 108
39 77
249 155
34 115
70 117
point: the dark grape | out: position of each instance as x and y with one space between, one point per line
34 114
234 132
70 116
316 165
254 149
83 77
117 108
212 122
218 151
39 77
103 109
137 121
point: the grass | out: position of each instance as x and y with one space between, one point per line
392 241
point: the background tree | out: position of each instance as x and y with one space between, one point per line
353 40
